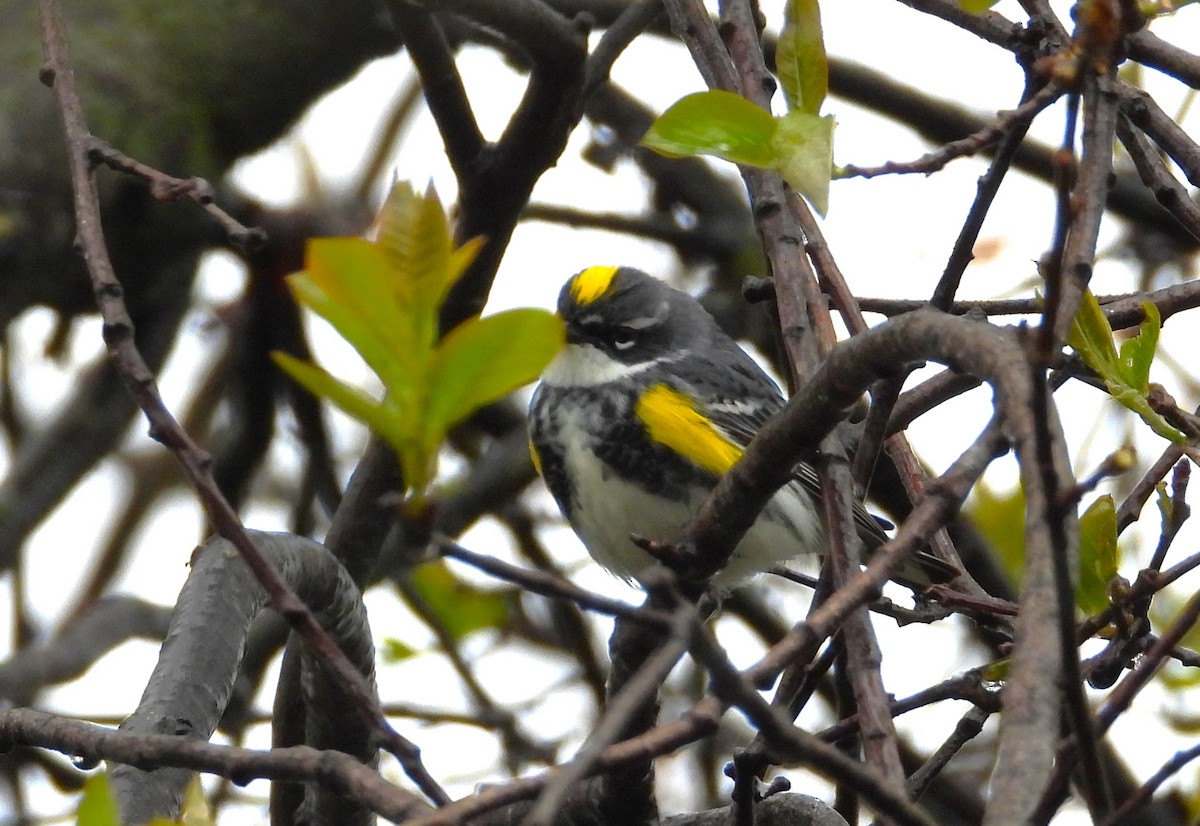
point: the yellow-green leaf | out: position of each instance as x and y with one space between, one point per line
484 359
1137 353
461 258
1125 376
319 382
97 807
384 298
1099 554
799 145
715 123
1091 335
1166 505
395 427
461 607
1000 518
349 283
800 57
414 236
996 671
976 6
803 149
394 650
195 807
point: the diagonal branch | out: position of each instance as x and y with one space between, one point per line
119 340
997 355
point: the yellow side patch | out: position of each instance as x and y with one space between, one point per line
672 420
592 283
537 459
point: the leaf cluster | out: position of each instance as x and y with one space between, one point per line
798 144
1125 373
383 297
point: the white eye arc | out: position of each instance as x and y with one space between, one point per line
623 337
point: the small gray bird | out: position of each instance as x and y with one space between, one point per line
646 406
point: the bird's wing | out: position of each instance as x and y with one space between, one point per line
742 403
737 397
738 408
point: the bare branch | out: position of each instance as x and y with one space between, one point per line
339 772
118 338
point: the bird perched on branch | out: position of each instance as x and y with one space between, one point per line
643 410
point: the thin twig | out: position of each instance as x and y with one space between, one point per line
337 771
164 187
118 338
635 19
1010 122
790 743
1122 311
967 729
1154 173
624 707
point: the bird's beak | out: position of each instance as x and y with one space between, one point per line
576 336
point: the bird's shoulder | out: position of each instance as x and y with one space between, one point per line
730 390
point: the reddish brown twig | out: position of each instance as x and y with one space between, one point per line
164 187
164 428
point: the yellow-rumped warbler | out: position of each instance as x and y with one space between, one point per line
649 403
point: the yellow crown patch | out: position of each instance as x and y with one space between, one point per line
589 285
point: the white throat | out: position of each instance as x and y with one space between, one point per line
582 365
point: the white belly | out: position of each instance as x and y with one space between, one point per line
609 509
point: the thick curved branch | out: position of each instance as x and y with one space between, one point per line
194 676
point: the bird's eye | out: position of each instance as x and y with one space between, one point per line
623 337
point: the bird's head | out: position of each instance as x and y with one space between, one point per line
630 318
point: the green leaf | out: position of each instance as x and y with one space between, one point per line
393 426
461 258
395 651
195 810
996 671
976 6
97 807
414 236
800 58
320 383
799 145
348 282
384 298
484 359
803 149
1126 377
1099 554
1091 336
1136 402
459 606
1166 505
1001 519
1137 353
715 123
